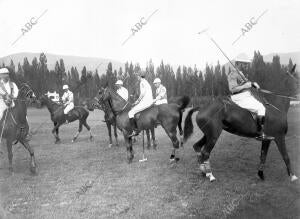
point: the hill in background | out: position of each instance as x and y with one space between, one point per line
90 63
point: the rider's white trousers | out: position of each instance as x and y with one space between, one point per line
68 108
138 108
248 101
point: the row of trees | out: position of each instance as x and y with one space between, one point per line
185 80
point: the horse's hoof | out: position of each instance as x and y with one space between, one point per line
110 145
91 138
260 174
293 178
210 176
73 140
57 141
33 170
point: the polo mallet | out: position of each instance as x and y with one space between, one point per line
144 158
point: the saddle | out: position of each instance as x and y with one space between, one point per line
228 101
137 115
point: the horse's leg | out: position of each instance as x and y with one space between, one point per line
109 133
153 138
148 139
31 152
78 132
88 128
10 154
180 128
172 133
55 132
128 142
212 133
263 156
116 134
280 141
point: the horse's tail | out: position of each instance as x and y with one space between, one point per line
188 124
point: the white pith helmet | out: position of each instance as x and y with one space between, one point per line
4 71
65 87
119 82
156 80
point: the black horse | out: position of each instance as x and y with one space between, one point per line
222 114
58 118
167 115
14 125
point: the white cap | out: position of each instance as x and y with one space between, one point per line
119 82
4 71
65 87
156 80
246 60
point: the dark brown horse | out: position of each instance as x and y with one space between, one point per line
222 114
109 118
58 118
16 126
167 115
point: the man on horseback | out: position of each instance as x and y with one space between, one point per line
161 92
240 86
144 101
8 91
68 101
122 91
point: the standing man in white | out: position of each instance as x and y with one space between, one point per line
144 101
68 101
161 92
122 91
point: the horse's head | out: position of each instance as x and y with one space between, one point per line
25 92
92 104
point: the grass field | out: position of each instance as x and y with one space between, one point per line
90 180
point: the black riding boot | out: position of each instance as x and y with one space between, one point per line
134 126
68 118
260 125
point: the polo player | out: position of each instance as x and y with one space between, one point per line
68 101
240 86
144 101
8 91
161 92
122 91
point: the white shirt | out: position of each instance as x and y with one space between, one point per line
146 92
8 90
123 92
68 98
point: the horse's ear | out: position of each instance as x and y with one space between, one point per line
293 69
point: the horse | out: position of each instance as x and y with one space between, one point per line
109 118
58 118
223 114
166 114
14 125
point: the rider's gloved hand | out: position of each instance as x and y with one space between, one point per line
255 85
248 85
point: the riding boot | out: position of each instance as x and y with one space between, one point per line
260 126
67 116
134 126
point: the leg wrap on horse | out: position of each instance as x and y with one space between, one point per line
205 167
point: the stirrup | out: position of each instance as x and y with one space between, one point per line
263 137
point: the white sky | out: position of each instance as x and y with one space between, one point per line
96 28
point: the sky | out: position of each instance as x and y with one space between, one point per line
96 28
